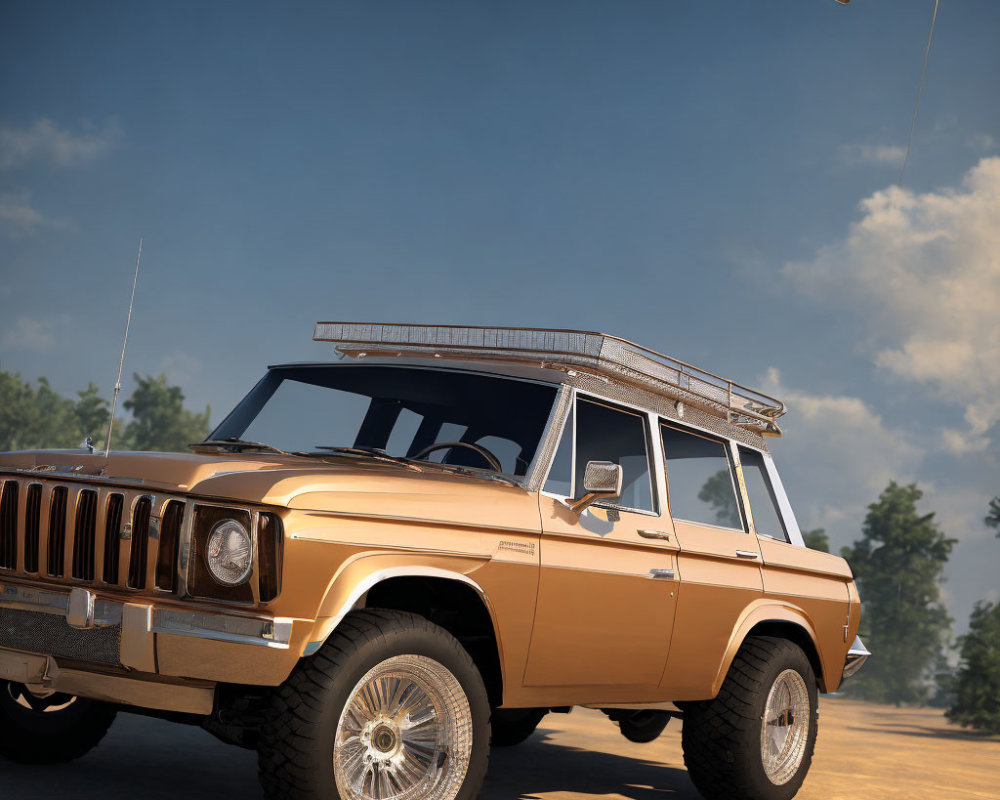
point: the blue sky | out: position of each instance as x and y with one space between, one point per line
710 179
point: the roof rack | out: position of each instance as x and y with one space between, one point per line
596 352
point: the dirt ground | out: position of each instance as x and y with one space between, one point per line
864 753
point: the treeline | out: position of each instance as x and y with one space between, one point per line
899 564
154 418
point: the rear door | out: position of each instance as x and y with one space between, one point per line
719 561
607 585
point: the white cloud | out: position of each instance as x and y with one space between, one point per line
837 455
983 141
46 143
889 155
18 214
922 272
39 334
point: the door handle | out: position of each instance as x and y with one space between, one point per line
647 534
747 554
662 573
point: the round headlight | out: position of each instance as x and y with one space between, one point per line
230 553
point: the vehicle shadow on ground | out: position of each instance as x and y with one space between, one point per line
153 760
538 767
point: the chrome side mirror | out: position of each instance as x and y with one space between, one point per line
601 480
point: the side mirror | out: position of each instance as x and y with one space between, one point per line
601 480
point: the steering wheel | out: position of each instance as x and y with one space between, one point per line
490 459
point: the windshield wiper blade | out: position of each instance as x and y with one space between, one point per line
371 452
238 445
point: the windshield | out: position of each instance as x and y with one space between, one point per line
402 411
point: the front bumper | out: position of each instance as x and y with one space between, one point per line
856 658
139 652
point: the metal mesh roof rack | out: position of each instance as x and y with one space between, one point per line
563 349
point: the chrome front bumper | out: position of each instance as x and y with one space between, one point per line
856 658
76 642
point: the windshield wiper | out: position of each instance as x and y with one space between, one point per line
370 452
238 445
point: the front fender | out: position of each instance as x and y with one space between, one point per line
355 578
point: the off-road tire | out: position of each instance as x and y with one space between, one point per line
30 736
295 748
512 726
722 737
643 727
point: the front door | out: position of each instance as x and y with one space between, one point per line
607 587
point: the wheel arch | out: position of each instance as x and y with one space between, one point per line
780 621
444 594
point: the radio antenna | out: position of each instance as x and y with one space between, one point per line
121 363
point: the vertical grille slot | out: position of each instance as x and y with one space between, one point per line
140 544
32 526
270 538
85 535
57 532
170 537
112 537
8 525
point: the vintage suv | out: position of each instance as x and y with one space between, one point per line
374 566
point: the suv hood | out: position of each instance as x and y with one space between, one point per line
264 478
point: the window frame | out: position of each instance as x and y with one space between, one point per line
654 455
735 475
772 494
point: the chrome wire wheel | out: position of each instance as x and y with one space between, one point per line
405 733
784 731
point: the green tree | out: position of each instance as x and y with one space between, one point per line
159 419
898 563
816 539
717 491
92 414
32 418
993 514
977 687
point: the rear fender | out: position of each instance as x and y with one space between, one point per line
761 612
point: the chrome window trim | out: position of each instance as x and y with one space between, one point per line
646 415
784 507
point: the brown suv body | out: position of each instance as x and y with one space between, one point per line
104 592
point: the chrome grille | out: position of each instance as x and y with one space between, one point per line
33 632
79 533
86 535
57 531
32 526
8 525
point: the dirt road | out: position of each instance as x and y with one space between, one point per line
864 753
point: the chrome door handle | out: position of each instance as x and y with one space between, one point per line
747 554
647 534
662 573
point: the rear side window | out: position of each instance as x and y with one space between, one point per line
604 433
763 505
700 479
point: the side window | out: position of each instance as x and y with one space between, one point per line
699 479
763 505
604 433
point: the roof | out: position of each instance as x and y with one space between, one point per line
567 350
